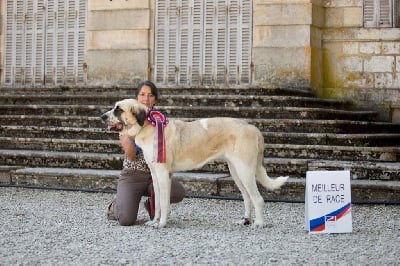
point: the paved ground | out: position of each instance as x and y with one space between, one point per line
45 227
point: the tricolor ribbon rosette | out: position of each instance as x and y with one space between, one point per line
159 121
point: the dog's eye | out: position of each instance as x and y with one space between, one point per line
118 111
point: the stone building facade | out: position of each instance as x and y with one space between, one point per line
342 49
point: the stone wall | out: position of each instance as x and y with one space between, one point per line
359 64
281 42
318 20
119 41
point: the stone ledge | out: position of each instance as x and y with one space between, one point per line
197 184
5 173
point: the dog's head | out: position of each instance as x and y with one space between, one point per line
127 116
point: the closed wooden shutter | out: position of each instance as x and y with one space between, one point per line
385 13
24 41
380 13
65 41
195 43
369 15
45 41
203 42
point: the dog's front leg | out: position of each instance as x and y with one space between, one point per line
156 190
162 191
164 183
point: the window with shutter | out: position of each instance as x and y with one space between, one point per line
381 13
385 13
397 13
45 41
203 42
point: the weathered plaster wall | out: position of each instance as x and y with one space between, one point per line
281 42
119 41
359 64
318 20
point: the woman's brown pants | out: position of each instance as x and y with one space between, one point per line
132 185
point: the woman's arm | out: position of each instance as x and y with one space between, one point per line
128 145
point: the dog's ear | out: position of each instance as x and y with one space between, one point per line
141 117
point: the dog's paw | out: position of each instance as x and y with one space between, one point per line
258 224
247 221
162 224
244 221
156 224
152 223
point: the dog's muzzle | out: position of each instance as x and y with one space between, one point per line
111 126
104 117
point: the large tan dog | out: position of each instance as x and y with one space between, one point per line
190 145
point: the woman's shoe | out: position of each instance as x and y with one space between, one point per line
110 211
149 209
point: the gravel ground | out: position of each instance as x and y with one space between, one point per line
46 227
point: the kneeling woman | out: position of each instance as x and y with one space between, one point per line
135 178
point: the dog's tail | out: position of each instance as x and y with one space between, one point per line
261 173
267 182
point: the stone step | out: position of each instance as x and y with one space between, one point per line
271 150
331 125
362 170
178 100
57 144
368 170
339 153
44 110
57 132
271 125
384 170
52 121
199 111
130 90
40 158
297 167
196 184
41 132
268 113
329 139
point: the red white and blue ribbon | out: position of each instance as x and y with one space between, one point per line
159 121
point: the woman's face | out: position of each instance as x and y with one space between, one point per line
146 97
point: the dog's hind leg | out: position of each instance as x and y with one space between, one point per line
246 175
246 198
250 184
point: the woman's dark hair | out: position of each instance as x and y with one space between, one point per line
153 88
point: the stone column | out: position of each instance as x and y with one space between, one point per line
119 41
282 43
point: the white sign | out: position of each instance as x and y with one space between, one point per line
328 202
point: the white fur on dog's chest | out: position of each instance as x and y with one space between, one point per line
204 123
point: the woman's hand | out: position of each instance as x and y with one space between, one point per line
128 145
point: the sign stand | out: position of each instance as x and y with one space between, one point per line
328 202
